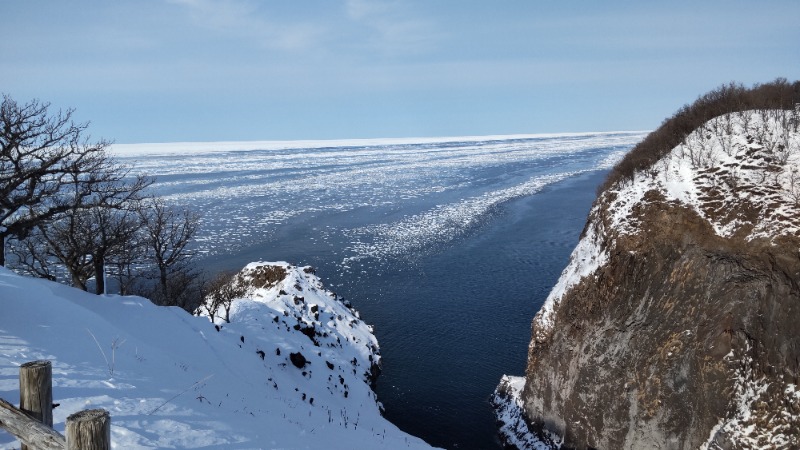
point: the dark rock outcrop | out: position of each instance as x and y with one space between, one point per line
298 360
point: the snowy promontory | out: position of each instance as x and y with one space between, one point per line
291 369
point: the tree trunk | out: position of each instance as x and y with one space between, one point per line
99 275
227 306
2 250
77 282
163 278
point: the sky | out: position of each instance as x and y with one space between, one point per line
230 70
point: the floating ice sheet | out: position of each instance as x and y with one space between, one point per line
387 198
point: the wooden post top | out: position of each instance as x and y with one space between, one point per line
36 364
89 415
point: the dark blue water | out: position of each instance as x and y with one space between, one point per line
475 301
448 249
452 322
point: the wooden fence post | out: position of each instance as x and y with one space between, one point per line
32 422
89 430
36 391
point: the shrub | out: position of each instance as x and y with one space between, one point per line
728 98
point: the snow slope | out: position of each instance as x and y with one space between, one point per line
172 380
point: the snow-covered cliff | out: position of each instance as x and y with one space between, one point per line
676 323
291 370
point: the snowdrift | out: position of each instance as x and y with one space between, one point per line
173 380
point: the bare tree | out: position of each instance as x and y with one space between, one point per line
127 266
66 242
99 222
222 291
83 241
116 229
40 153
793 190
169 231
207 304
80 211
31 257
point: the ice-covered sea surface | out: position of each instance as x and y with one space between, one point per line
447 246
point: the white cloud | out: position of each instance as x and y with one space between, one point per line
246 19
352 27
220 14
394 29
364 9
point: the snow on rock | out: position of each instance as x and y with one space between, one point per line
514 429
758 422
285 308
740 172
172 380
588 256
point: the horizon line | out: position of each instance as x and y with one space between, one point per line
249 145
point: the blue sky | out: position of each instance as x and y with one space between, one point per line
210 70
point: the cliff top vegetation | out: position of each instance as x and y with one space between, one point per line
728 98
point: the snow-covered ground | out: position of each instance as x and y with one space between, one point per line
173 380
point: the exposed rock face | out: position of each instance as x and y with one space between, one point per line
677 323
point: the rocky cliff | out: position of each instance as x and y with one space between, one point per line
676 324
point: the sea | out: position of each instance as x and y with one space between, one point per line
447 246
